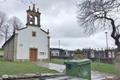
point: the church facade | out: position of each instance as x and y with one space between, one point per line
30 43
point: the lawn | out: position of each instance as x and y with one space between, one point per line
26 67
101 67
21 68
57 61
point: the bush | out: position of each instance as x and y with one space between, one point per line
79 54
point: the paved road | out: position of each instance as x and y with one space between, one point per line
61 68
99 76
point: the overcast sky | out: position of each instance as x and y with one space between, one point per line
59 16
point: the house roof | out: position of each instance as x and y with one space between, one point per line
61 49
56 49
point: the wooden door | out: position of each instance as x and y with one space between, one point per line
33 54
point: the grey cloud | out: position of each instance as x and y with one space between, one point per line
95 41
63 24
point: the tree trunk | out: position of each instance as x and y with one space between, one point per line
117 60
116 37
117 63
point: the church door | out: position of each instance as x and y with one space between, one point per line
33 54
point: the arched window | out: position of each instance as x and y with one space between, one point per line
36 21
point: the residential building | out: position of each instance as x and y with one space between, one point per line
106 56
61 53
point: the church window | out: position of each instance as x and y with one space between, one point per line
33 33
36 21
42 53
31 19
31 22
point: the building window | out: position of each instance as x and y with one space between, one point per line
92 54
109 55
33 33
42 53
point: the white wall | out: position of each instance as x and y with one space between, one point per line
9 49
26 41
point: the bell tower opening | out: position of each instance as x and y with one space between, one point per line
36 21
33 16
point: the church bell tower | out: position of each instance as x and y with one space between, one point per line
33 16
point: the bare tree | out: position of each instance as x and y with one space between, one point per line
5 32
95 15
3 20
9 26
15 23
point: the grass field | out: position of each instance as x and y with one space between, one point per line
21 68
101 67
26 67
57 61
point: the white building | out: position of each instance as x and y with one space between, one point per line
29 43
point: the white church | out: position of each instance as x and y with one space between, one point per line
30 43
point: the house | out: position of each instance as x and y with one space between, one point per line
57 52
105 56
30 43
69 53
61 53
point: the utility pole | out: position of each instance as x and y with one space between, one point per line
106 40
106 44
59 44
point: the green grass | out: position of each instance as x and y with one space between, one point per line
106 68
57 61
21 68
101 67
26 67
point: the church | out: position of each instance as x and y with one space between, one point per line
30 43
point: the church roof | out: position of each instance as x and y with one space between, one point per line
8 40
